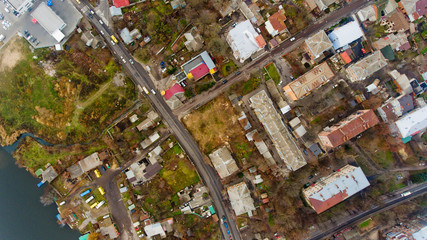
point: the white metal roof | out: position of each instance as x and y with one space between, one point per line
58 35
344 35
241 199
47 18
243 40
421 234
413 122
154 229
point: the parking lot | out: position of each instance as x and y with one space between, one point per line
36 33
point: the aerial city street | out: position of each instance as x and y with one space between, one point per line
223 119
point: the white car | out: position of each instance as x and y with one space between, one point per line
7 10
100 21
154 92
131 61
102 32
91 11
292 39
112 42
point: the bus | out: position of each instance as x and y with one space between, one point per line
101 190
84 193
94 205
145 90
89 199
114 39
100 204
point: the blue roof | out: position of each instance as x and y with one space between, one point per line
84 237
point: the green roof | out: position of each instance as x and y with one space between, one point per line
39 172
406 139
84 237
388 53
212 209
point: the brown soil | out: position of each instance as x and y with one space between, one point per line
14 53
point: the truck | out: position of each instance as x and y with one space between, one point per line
101 190
89 199
405 194
114 39
100 204
84 193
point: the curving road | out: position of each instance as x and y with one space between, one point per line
391 202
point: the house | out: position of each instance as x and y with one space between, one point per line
75 171
107 228
125 35
302 86
154 230
90 162
368 13
324 4
194 41
199 66
317 44
151 139
120 3
414 8
175 89
276 23
251 12
277 131
398 42
335 188
49 174
87 38
365 67
346 34
241 200
397 22
245 41
348 128
401 81
390 7
223 162
177 4
261 146
114 11
135 34
142 171
394 108
412 123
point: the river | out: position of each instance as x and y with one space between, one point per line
22 216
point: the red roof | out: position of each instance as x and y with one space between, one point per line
120 3
173 90
260 40
345 57
200 71
321 206
277 21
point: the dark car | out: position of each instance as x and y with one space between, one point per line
225 225
310 177
1 16
237 73
224 82
223 217
228 231
90 15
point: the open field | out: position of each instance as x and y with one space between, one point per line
15 51
215 124
61 97
178 173
377 148
272 72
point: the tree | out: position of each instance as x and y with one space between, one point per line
93 236
143 54
218 46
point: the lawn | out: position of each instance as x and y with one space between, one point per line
375 145
365 223
228 68
250 85
34 156
177 172
204 87
272 72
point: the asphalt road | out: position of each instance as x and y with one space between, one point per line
390 202
141 77
283 48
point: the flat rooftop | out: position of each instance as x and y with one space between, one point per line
366 67
47 18
272 122
223 162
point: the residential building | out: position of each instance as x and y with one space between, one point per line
414 8
154 230
251 12
335 188
125 35
348 128
365 67
394 108
142 171
398 42
412 123
276 23
277 131
401 81
175 89
346 34
317 44
302 86
323 4
245 41
390 7
49 174
150 140
397 22
114 11
120 3
90 162
49 20
241 200
194 41
223 162
21 6
368 13
199 66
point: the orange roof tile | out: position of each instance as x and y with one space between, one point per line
277 20
260 41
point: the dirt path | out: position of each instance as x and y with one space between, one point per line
12 53
80 106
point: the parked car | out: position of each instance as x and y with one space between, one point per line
234 24
131 61
237 73
183 83
1 16
224 82
91 11
90 15
292 39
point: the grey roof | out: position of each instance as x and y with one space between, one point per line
75 171
406 102
196 61
125 35
90 162
16 3
151 170
49 174
47 18
240 198
314 148
223 162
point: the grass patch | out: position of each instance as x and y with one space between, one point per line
228 68
250 85
270 219
204 87
365 223
273 73
384 159
34 156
